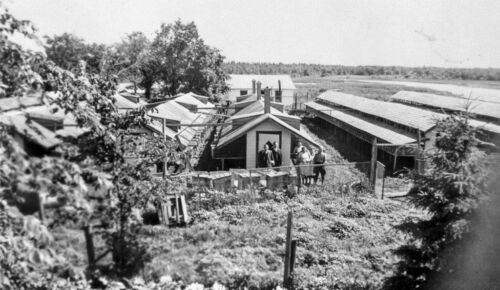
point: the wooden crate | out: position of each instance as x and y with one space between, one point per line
277 179
245 179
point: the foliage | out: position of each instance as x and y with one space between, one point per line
241 244
319 70
67 50
87 181
450 190
185 62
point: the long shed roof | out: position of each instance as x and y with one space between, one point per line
412 117
245 81
409 116
376 129
449 103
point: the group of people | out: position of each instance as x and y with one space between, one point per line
270 155
302 157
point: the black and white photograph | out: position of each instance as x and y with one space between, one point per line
237 144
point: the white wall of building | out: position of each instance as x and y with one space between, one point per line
252 143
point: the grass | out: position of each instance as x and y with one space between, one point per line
342 242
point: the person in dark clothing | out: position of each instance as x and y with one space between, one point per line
277 154
319 158
265 157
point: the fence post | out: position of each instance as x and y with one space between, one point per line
288 250
292 261
373 164
383 185
90 246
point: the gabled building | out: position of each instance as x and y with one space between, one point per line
281 87
247 130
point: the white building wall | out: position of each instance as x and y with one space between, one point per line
252 143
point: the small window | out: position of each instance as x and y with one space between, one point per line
243 92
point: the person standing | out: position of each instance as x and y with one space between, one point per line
319 159
303 158
277 154
296 151
265 157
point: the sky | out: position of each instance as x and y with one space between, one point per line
444 33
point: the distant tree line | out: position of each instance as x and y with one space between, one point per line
304 69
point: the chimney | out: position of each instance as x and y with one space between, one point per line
267 101
279 86
253 87
259 84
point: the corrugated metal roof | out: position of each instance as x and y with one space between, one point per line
257 108
203 99
190 100
123 103
409 116
16 103
34 132
376 129
174 111
245 81
449 103
233 135
412 117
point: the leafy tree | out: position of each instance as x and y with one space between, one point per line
450 190
185 63
67 50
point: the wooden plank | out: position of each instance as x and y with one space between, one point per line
185 215
177 213
89 242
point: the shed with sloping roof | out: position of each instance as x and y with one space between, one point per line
248 130
489 111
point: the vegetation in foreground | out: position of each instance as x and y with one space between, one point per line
343 242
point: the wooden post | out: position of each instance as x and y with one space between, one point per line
185 216
90 246
164 157
418 152
373 168
41 209
383 185
288 251
292 262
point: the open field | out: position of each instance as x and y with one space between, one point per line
313 86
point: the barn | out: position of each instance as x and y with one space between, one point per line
248 129
281 87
